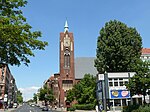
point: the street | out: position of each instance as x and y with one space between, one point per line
28 108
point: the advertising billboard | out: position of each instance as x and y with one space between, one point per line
119 94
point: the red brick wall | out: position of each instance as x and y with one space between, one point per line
66 74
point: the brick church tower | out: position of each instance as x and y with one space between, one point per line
67 75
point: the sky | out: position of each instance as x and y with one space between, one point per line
85 19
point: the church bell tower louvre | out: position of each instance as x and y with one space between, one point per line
67 74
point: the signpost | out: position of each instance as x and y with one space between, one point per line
5 100
102 91
100 95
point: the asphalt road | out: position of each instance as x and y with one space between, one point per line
28 108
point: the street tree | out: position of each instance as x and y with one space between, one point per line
118 48
19 97
35 97
17 38
46 94
84 91
70 95
140 82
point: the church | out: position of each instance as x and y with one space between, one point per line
71 69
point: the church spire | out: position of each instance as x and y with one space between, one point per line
66 27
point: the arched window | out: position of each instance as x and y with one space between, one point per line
67 58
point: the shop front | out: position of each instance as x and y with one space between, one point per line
120 98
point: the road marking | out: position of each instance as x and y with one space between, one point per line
30 111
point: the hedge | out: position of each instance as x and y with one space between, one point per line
84 106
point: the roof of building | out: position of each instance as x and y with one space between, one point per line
84 65
146 51
51 77
66 27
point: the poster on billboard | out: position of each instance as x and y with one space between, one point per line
119 94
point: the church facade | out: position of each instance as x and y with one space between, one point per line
67 76
65 79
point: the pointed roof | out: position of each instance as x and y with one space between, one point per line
66 27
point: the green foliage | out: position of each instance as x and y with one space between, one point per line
130 108
137 108
84 91
71 109
17 41
35 96
46 94
140 82
84 106
142 109
19 97
118 48
30 101
70 95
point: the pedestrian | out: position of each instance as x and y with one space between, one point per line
55 107
96 108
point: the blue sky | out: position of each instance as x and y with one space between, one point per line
85 19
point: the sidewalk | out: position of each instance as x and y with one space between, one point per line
64 110
7 110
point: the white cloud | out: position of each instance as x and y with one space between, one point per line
28 92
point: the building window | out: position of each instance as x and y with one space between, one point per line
121 83
67 59
110 83
126 82
124 103
115 83
117 102
120 79
115 79
110 79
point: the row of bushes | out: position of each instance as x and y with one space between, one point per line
142 109
131 108
137 108
81 107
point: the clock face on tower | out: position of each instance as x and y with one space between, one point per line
66 42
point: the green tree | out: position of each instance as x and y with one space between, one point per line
84 91
118 48
140 82
70 95
46 94
35 97
17 41
19 97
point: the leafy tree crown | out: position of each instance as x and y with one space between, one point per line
118 48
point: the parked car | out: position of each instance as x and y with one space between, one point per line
45 108
32 105
15 105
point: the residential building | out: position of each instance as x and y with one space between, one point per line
7 86
145 56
